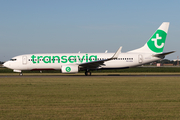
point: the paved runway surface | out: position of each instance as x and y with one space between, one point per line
111 75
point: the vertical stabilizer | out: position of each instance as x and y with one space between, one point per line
156 43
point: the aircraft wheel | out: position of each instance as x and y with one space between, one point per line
88 73
21 74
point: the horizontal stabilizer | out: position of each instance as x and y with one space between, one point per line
163 54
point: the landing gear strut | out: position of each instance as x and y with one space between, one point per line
88 73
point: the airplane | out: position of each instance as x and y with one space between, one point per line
75 62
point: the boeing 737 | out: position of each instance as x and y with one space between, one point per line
75 62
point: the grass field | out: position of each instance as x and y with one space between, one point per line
94 97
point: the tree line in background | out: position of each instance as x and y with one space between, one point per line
166 61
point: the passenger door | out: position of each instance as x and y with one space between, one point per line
140 58
24 60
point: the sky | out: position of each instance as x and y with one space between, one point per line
70 26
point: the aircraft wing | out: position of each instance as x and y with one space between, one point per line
95 64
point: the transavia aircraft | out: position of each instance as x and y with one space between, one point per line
75 62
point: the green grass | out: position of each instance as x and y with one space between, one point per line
90 98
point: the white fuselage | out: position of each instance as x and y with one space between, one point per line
55 61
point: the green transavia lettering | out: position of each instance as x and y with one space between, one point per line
63 59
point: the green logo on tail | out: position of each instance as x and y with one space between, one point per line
157 41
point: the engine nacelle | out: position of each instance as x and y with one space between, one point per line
70 69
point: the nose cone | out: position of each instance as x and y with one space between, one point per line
6 64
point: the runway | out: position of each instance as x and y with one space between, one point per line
72 76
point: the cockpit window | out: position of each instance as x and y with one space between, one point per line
13 59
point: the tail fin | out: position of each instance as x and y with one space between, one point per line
156 43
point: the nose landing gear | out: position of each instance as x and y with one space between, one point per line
20 74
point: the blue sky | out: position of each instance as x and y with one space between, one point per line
60 26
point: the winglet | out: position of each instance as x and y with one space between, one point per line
117 53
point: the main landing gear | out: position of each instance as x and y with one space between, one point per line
88 73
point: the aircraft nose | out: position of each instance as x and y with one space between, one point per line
6 64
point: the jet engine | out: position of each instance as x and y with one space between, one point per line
70 69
